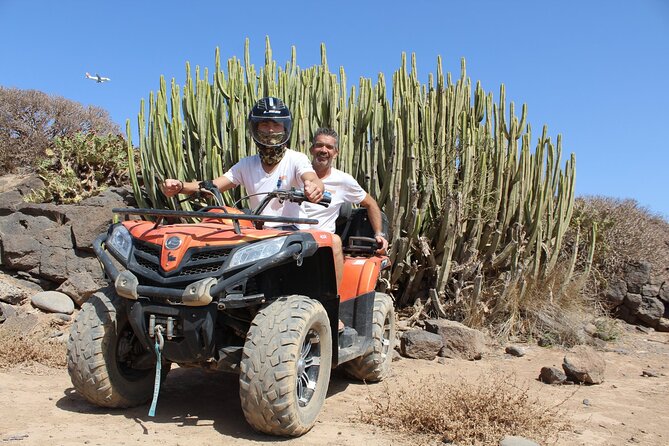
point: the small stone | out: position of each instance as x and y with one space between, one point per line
583 364
650 374
586 402
552 375
514 350
53 302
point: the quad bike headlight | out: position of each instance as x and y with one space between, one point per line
120 241
257 251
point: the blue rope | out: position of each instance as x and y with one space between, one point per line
156 384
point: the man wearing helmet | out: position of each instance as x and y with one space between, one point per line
274 167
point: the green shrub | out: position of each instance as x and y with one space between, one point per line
81 166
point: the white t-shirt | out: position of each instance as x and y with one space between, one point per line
343 188
249 173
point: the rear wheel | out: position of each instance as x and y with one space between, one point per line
285 366
374 365
103 354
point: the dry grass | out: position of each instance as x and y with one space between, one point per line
461 412
18 348
551 308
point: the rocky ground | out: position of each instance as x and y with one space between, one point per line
628 407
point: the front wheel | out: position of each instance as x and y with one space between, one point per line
374 365
285 366
103 354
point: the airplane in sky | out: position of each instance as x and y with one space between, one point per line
97 78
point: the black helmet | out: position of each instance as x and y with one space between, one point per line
270 109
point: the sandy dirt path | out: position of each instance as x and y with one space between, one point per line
39 406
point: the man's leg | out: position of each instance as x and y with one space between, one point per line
338 255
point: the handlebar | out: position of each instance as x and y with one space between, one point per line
210 187
298 196
293 195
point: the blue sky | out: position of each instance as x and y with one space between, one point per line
595 71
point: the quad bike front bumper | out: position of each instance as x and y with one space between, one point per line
187 316
223 291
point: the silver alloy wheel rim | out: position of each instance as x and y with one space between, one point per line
385 340
308 367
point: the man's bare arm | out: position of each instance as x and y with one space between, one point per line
374 214
172 187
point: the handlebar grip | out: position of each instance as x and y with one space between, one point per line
327 197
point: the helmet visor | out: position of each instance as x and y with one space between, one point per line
270 138
270 132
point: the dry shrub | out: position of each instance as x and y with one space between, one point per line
626 232
462 412
20 348
552 308
30 120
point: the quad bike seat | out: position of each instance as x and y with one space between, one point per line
355 230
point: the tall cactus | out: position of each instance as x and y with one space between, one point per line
469 199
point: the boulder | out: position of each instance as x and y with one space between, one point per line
615 292
92 216
459 340
650 311
663 294
632 301
650 290
79 287
636 274
419 344
53 302
13 188
584 365
43 246
20 235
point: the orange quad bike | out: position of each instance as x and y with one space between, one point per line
227 294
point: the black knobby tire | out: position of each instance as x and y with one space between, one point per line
93 362
288 350
374 365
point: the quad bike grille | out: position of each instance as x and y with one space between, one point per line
198 261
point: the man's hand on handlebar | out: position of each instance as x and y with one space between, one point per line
313 193
172 187
382 244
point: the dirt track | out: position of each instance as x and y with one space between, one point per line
40 407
